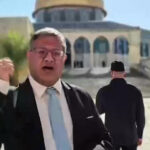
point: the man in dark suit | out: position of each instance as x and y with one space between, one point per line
123 106
27 124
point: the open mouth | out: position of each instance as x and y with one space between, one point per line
48 68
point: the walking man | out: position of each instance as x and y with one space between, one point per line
123 106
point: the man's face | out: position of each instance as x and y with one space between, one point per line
46 60
117 74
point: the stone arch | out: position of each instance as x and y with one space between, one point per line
144 50
100 50
121 46
82 53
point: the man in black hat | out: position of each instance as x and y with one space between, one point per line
123 106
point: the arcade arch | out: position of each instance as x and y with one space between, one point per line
82 53
100 50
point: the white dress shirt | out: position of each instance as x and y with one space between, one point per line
41 98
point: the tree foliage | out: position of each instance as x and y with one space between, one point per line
15 47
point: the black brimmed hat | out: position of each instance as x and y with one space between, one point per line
117 66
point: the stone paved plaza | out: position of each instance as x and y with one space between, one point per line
93 84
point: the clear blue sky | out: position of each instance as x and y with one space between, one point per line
131 12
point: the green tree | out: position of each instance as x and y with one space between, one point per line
15 47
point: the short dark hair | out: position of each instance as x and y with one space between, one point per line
117 66
47 31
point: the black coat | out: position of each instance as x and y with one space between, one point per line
22 126
123 106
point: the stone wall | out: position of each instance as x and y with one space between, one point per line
21 25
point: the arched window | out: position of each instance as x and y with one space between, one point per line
77 16
101 45
121 46
101 48
62 15
82 53
82 45
144 51
47 16
92 14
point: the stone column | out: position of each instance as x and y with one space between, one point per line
72 54
111 51
91 54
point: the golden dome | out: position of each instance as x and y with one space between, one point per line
40 4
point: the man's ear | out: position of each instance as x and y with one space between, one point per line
113 74
65 58
124 74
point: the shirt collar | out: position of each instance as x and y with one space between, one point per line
40 89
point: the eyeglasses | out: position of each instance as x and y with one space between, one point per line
43 52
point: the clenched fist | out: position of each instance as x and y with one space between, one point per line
6 69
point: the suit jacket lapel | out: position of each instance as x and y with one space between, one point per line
75 105
30 120
26 99
81 133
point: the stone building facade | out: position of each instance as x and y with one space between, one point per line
21 25
92 43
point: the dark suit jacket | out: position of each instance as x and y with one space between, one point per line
123 106
22 127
